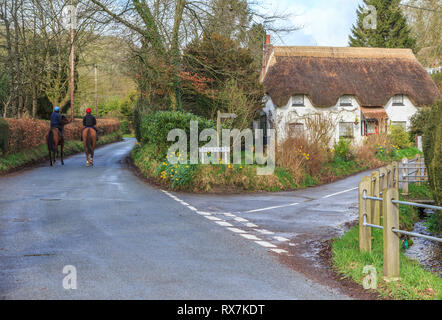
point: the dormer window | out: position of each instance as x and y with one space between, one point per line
345 101
298 101
398 100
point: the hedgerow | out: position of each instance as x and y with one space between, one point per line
30 133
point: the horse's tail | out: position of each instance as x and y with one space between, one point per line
88 141
51 142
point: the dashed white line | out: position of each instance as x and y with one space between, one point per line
265 244
236 230
341 192
251 225
264 231
224 224
281 239
227 214
275 207
212 218
229 226
279 251
203 213
249 236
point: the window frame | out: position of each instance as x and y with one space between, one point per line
298 104
296 128
401 103
352 130
345 104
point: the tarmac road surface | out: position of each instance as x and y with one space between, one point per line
129 240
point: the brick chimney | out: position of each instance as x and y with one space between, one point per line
267 51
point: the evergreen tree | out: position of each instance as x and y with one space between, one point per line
391 29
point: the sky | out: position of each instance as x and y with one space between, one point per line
323 22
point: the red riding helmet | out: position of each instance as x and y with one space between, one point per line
88 110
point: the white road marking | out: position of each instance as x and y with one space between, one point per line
264 231
341 192
249 236
236 230
203 213
265 244
228 214
279 251
244 234
251 225
275 207
281 239
224 224
212 218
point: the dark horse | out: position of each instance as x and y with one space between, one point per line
54 140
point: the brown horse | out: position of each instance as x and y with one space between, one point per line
54 140
89 141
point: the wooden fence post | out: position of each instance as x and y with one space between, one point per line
382 186
374 191
364 209
396 175
389 176
405 176
391 239
417 171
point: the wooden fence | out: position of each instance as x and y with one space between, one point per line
379 200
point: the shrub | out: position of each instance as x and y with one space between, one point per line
4 136
343 150
155 127
124 125
432 143
399 137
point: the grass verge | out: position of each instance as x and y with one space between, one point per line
416 283
27 157
230 177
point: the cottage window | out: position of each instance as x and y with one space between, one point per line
296 129
345 101
398 100
402 124
346 130
298 101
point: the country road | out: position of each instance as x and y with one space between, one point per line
129 240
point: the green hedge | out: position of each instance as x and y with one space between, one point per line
432 143
4 136
155 127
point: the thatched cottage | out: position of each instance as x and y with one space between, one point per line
362 89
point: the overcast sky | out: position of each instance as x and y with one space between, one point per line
325 22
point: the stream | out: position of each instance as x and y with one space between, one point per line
428 253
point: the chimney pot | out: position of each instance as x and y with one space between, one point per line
267 39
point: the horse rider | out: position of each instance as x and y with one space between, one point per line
56 121
89 121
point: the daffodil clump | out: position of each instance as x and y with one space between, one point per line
177 174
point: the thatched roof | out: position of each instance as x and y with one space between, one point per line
372 75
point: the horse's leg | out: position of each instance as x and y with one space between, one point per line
61 152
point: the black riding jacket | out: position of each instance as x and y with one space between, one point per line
89 121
